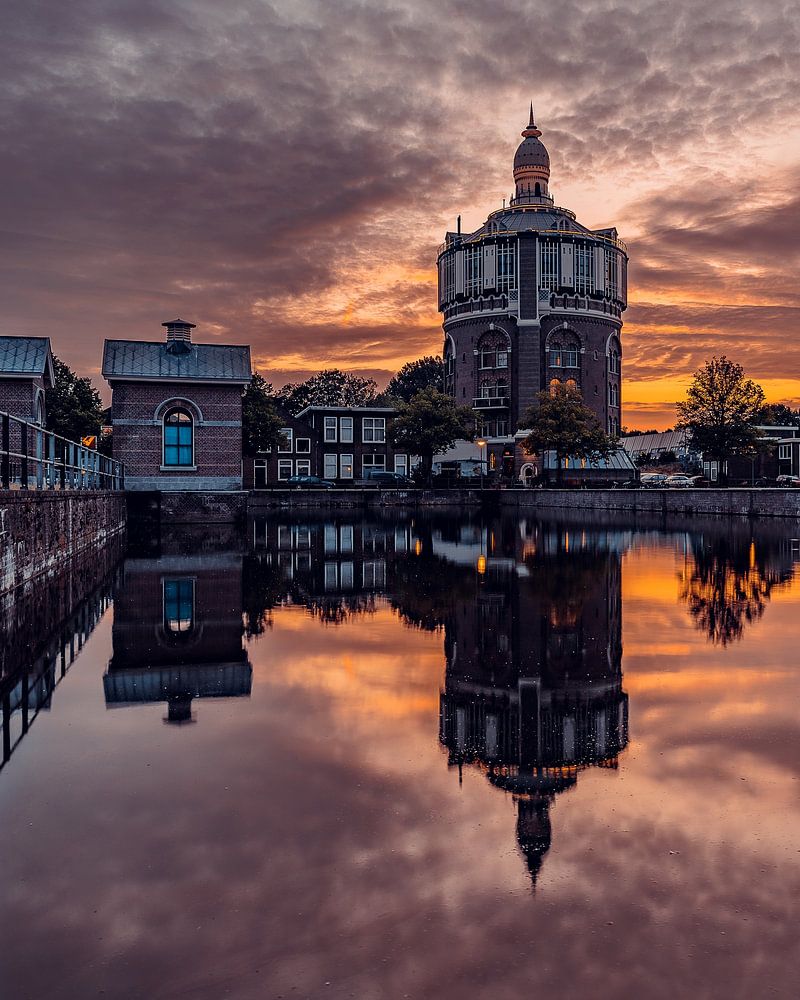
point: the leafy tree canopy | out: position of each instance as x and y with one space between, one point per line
261 424
778 415
74 409
416 375
428 423
721 410
560 421
330 387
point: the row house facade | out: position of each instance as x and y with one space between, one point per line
340 443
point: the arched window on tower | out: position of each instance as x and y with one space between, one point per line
178 438
538 190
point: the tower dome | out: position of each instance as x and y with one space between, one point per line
531 167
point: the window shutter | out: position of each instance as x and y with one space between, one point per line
459 266
489 267
567 265
599 269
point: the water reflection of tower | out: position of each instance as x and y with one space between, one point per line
177 633
533 687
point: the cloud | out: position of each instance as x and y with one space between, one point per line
234 163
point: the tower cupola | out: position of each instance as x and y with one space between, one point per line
531 168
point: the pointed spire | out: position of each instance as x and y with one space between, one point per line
531 129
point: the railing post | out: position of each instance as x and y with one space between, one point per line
23 447
5 459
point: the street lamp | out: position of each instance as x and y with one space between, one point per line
481 443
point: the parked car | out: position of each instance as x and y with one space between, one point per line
652 480
784 481
679 482
309 483
700 482
378 478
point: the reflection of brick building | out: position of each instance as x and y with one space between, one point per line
176 410
178 632
533 689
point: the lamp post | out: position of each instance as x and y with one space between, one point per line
481 443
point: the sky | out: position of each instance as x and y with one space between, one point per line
281 173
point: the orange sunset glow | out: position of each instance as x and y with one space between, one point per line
282 174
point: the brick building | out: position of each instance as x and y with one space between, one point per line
339 443
530 300
26 370
176 410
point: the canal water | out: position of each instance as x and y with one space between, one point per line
425 756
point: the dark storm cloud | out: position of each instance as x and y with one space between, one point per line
222 161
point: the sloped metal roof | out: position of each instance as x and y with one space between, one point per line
26 356
644 444
618 460
150 359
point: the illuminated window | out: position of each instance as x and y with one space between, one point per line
179 606
554 386
346 466
178 439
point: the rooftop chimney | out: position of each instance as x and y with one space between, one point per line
179 335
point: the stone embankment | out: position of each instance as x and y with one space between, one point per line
41 532
687 503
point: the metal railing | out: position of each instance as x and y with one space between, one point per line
32 458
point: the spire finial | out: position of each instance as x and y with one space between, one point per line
531 129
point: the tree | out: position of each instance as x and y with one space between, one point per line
429 423
261 425
330 387
416 375
778 415
74 409
561 422
721 410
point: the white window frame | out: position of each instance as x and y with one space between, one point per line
502 359
346 538
346 430
346 468
330 461
302 446
287 436
346 575
371 427
302 467
784 452
401 464
329 430
258 465
284 469
330 539
373 464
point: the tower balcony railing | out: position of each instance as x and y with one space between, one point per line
32 458
490 402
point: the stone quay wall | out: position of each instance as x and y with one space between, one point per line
40 531
686 503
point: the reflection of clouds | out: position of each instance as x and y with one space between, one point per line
306 836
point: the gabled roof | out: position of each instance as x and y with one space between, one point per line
144 359
26 357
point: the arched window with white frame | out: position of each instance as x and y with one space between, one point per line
178 438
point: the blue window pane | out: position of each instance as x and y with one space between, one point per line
178 605
185 455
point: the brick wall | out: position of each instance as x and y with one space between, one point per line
18 396
41 532
753 503
137 441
